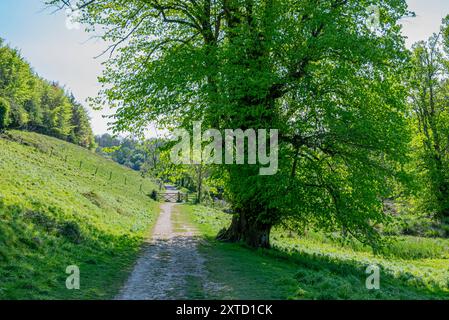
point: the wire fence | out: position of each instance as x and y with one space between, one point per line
95 171
90 170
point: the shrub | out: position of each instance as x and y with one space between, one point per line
153 195
4 113
71 231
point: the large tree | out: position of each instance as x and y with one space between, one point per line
313 69
81 131
16 84
429 84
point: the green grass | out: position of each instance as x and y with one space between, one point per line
55 213
231 267
317 267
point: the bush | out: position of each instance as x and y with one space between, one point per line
153 195
71 231
415 225
411 248
4 113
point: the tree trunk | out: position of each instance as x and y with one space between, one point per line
250 231
442 198
200 184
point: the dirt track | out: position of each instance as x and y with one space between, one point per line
170 266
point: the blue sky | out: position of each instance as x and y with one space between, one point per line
67 56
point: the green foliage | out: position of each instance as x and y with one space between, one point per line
54 214
414 224
37 105
81 131
16 84
429 91
129 152
4 113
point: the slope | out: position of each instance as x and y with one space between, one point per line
61 205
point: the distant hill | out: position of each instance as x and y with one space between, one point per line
63 205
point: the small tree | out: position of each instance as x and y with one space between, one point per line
4 114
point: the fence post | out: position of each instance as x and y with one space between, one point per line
140 189
81 163
96 171
125 180
110 175
51 153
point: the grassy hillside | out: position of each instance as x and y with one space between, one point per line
316 267
62 205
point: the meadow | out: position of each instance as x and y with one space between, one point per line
315 266
62 205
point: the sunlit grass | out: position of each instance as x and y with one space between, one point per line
63 205
317 267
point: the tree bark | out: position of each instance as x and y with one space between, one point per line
249 231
